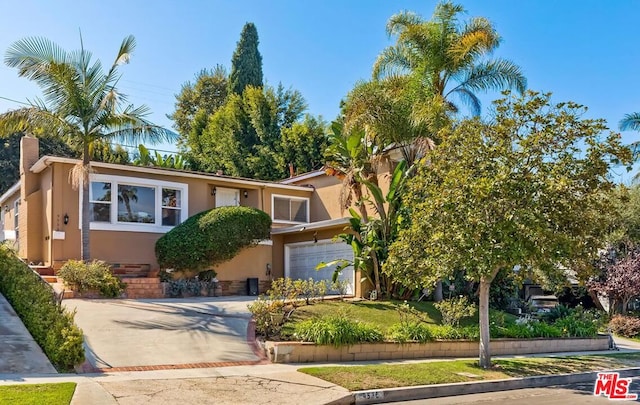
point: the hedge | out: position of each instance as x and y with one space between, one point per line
211 237
51 326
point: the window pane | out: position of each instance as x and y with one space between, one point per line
299 210
281 209
100 212
171 198
136 204
100 191
170 217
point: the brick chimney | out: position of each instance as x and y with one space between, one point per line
29 154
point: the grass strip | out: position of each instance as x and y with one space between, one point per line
379 376
37 394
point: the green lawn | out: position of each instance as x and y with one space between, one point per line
441 372
37 394
382 314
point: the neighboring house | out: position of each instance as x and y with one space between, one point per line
132 206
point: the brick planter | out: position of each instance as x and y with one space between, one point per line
300 352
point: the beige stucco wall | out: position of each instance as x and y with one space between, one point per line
138 247
250 262
325 201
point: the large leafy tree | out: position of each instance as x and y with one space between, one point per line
246 63
447 61
244 137
303 144
204 96
81 102
528 189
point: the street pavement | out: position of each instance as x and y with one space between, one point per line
557 395
150 332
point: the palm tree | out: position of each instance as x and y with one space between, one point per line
81 101
630 122
446 59
126 195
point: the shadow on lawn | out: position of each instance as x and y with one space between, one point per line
556 365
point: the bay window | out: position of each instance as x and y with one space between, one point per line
136 204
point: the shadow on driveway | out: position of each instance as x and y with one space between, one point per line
126 333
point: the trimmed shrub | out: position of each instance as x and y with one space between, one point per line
95 275
211 237
33 300
337 330
627 326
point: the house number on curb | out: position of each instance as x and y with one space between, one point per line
364 396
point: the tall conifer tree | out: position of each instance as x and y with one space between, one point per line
246 63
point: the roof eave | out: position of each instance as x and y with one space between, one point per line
46 161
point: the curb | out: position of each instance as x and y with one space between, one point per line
477 387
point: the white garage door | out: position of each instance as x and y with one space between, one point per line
302 258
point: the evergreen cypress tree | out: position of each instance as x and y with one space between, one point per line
246 63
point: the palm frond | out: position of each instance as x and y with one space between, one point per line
497 74
478 38
630 122
394 60
400 21
33 120
469 99
32 57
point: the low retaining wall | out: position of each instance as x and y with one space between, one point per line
299 352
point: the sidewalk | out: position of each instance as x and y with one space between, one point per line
19 353
262 384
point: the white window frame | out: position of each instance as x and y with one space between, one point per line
281 221
16 214
158 185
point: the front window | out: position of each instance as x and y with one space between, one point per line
290 209
136 204
170 207
100 201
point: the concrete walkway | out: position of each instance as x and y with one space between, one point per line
19 353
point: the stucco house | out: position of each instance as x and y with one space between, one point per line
132 206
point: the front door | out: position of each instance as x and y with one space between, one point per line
226 197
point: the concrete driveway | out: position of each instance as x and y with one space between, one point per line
164 332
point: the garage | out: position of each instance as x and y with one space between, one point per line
301 259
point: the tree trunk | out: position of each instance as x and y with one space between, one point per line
485 352
625 304
84 229
437 293
596 300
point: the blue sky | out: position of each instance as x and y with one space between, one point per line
584 51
